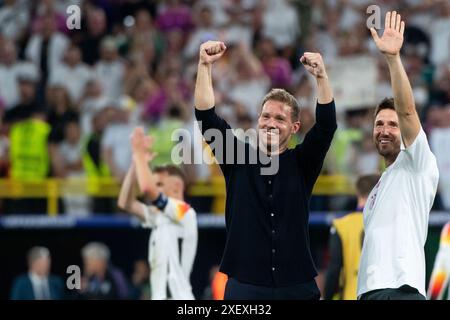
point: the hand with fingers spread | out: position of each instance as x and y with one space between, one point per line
391 41
141 144
313 62
211 51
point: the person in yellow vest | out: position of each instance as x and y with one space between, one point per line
28 137
346 239
95 167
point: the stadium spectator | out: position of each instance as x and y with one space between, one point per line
205 29
70 150
115 146
38 283
9 71
140 279
29 131
94 164
174 15
101 280
14 18
72 73
90 39
217 283
109 70
46 49
278 69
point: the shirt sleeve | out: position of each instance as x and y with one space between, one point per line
419 152
217 133
176 210
311 153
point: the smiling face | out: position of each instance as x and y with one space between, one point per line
275 125
386 134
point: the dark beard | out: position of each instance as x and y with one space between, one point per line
390 153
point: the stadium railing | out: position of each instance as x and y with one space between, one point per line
54 189
122 221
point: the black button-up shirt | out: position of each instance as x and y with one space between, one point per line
267 215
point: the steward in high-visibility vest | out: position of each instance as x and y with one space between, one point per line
29 153
94 166
345 244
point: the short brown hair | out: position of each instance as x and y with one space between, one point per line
285 97
386 103
365 184
171 170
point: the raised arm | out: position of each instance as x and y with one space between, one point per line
311 152
313 62
390 44
141 156
127 196
210 51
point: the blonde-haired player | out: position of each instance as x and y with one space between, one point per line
173 240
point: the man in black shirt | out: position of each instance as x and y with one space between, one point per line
267 253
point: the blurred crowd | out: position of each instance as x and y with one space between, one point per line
69 99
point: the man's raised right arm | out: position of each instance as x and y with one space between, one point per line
211 125
210 52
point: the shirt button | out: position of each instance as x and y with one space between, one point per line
273 250
273 231
272 214
270 195
270 181
273 269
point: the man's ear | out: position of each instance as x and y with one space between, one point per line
295 127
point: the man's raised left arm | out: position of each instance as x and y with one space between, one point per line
390 44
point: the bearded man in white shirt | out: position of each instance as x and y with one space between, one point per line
396 214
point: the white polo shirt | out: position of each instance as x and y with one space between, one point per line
170 264
396 221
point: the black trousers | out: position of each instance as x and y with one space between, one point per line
236 290
403 293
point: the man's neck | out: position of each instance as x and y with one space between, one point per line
361 203
390 160
37 275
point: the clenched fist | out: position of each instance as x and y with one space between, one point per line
211 51
313 62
